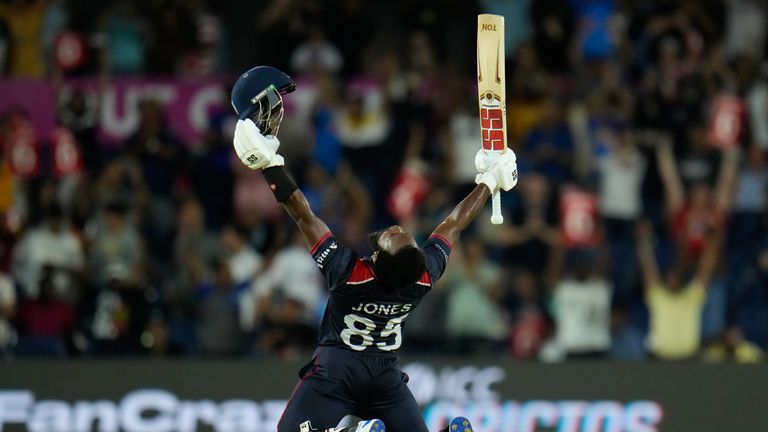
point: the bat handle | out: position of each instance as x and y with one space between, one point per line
496 217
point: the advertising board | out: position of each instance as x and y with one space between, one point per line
249 396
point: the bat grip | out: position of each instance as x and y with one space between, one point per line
496 217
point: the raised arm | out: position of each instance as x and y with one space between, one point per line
726 181
494 173
709 258
312 227
648 266
259 152
673 186
463 214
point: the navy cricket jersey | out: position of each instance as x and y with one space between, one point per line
361 315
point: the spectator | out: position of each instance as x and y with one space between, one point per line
119 312
79 114
207 57
554 27
161 158
291 277
46 321
219 326
622 170
195 248
316 55
674 305
121 181
8 309
474 317
211 176
581 307
745 27
548 147
530 325
693 215
750 204
362 124
531 236
52 245
173 37
25 27
243 261
54 22
115 243
597 23
127 34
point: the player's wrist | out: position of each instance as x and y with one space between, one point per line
280 181
489 180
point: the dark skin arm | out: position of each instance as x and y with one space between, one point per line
463 214
312 227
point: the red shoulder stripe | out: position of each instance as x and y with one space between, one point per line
424 280
361 273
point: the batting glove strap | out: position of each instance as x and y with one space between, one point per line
489 180
280 182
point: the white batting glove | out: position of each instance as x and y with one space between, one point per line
499 171
255 150
482 163
504 168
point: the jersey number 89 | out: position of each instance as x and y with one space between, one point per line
362 327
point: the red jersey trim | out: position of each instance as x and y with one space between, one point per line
361 273
319 242
445 240
424 280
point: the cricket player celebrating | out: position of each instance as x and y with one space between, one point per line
355 369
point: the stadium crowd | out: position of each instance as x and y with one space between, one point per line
638 230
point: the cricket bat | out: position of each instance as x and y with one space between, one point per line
491 93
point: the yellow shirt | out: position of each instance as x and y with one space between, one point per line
675 331
25 26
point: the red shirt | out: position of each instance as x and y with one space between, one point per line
691 229
46 319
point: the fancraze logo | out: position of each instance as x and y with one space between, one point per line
139 411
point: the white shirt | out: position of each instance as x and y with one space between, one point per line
243 264
41 246
292 271
582 315
621 183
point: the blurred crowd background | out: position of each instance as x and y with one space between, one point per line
637 231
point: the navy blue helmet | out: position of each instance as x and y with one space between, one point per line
257 95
